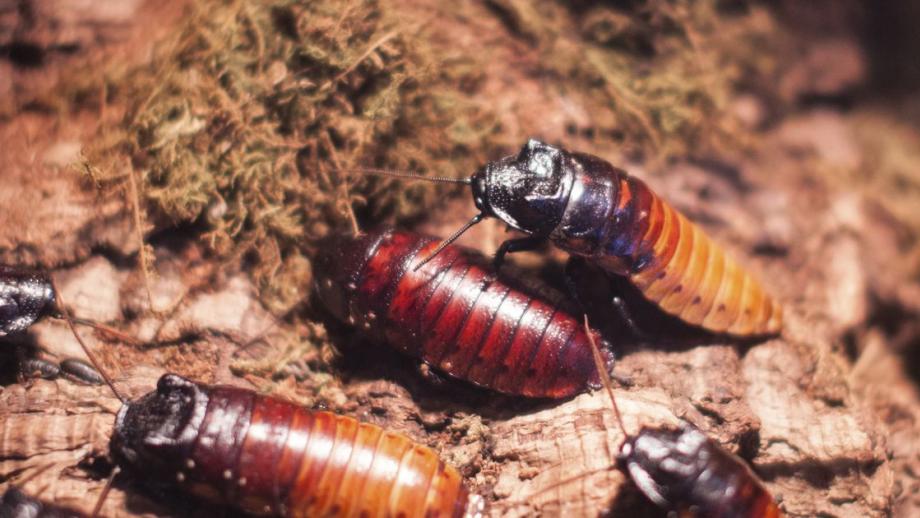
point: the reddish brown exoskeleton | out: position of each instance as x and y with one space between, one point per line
270 457
455 314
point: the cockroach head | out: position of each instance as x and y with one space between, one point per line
528 191
158 430
25 296
664 462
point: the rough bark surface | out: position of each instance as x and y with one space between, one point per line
827 414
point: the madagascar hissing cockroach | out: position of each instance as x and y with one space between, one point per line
454 314
683 470
593 210
266 456
25 297
16 504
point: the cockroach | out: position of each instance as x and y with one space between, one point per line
16 504
27 296
268 457
454 314
683 470
595 211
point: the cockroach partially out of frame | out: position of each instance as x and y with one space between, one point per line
684 471
269 457
16 504
595 211
454 314
27 296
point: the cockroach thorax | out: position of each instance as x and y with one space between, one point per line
160 427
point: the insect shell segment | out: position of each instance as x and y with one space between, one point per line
25 296
158 431
337 267
528 191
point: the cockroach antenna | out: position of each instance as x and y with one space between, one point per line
374 171
62 307
604 375
445 243
105 491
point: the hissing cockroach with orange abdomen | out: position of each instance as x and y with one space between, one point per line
270 457
591 209
455 314
27 296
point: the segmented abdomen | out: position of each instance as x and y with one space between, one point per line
453 314
270 457
678 267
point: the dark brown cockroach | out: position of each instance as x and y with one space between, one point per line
593 210
454 314
16 504
269 457
683 470
27 296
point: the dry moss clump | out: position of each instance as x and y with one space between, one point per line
247 118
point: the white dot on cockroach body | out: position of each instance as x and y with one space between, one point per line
228 474
180 477
190 464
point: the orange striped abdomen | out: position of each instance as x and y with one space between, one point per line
678 267
269 457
